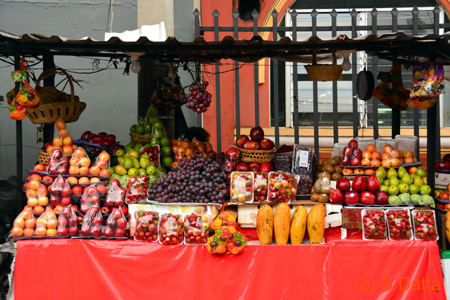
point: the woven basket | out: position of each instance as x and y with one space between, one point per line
68 111
140 139
324 72
258 156
44 157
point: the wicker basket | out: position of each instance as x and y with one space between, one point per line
68 111
258 156
140 139
324 72
44 157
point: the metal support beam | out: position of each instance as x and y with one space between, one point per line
276 97
19 154
48 64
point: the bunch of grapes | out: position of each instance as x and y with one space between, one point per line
197 180
199 99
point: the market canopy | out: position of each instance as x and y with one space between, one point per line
404 47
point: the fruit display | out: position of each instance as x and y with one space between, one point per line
316 224
282 186
153 155
92 222
282 158
24 224
58 163
196 229
79 162
67 223
101 165
374 224
138 160
171 229
226 237
298 225
196 180
352 154
242 187
116 225
264 224
115 195
46 224
321 190
60 192
146 226
260 186
199 99
62 142
137 188
102 138
89 198
399 224
425 225
282 223
37 196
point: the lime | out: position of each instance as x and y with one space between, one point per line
155 142
158 124
133 129
152 111
148 127
140 129
167 161
165 142
166 150
159 134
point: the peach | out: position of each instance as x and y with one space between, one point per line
85 162
386 163
95 170
72 179
408 154
74 161
95 179
34 184
68 150
395 162
104 156
80 153
32 202
16 232
51 232
19 222
365 162
359 171
386 156
31 193
39 167
74 170
58 209
371 148
347 171
375 163
30 223
75 147
84 170
26 213
369 172
105 173
83 180
40 231
409 160
42 201
50 149
68 141
63 133
101 189
395 153
37 210
387 148
102 164
60 124
28 232
376 155
57 142
367 155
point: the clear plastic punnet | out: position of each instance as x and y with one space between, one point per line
282 187
242 187
146 229
260 186
425 225
196 229
171 229
399 224
374 224
302 162
407 143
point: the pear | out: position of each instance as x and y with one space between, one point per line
391 173
386 182
418 181
381 173
394 181
127 163
136 163
421 172
401 171
120 170
406 178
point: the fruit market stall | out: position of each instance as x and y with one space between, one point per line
171 208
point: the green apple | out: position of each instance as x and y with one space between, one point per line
393 190
165 142
138 147
141 172
128 163
425 189
134 154
152 111
166 150
155 142
120 170
158 125
150 170
147 134
159 134
166 161
147 127
145 163
141 121
140 129
413 189
403 188
120 152
120 160
146 156
384 188
136 163
133 129
133 172
111 170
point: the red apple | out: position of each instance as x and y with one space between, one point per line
117 213
266 167
355 161
66 211
346 160
353 144
85 229
97 139
77 190
62 221
124 210
254 167
119 203
447 206
120 232
351 197
108 232
73 231
266 144
73 220
230 165
61 231
359 183
95 200
97 221
115 182
381 198
107 142
84 208
343 184
122 223
240 140
48 145
251 145
442 166
357 153
47 178
336 197
65 201
373 184
257 133
96 230
367 198
85 135
347 151
242 167
232 153
111 137
106 210
55 200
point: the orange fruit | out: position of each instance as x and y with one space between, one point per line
60 124
185 144
105 173
95 170
395 153
27 214
376 155
80 153
50 149
28 232
395 162
84 170
104 156
34 184
375 163
53 224
74 161
51 232
408 154
369 172
386 163
386 156
16 232
181 151
371 148
31 193
367 155
19 222
85 162
102 164
41 231
36 176
74 170
63 133
387 148
179 143
30 223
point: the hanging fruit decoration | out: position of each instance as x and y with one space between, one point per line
199 99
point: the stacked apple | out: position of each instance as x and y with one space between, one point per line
443 165
196 229
136 189
102 138
116 225
92 222
147 226
39 168
90 197
60 192
132 162
67 223
257 142
370 158
63 142
24 224
83 180
260 186
58 163
399 224
171 229
363 190
46 224
352 154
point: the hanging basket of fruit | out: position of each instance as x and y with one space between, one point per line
56 104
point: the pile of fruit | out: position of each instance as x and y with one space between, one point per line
399 224
364 190
102 138
146 226
242 187
330 168
282 186
226 237
196 229
425 225
374 224
171 229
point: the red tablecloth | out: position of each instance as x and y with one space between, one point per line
90 269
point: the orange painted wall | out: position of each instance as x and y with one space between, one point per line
227 80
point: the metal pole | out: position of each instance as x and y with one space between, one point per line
335 84
216 15
236 78
374 14
48 64
354 14
415 13
295 79
395 116
314 14
255 70
19 155
275 82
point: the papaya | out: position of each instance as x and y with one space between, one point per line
298 225
447 226
264 224
282 222
316 224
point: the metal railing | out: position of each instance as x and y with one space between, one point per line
293 30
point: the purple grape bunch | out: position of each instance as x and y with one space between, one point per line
196 180
199 99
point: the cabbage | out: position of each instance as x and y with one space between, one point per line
405 198
394 200
427 199
416 199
